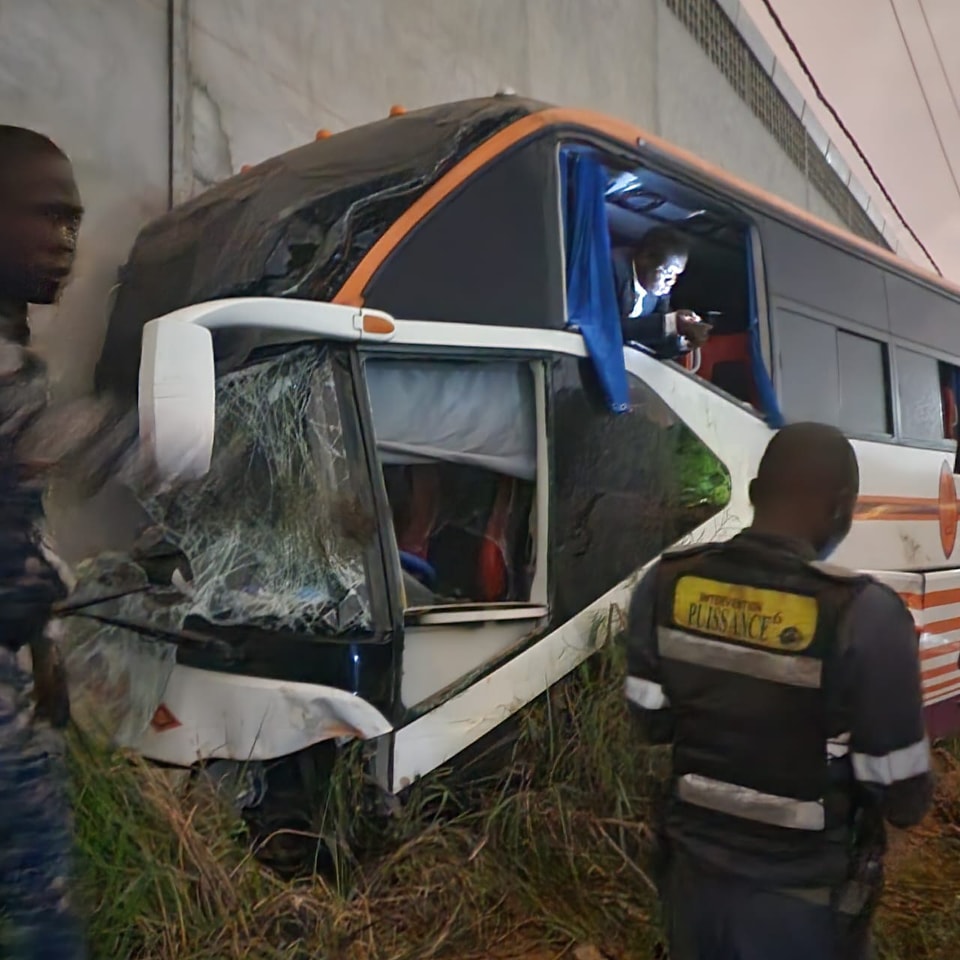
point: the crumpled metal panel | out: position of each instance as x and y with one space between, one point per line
294 226
117 677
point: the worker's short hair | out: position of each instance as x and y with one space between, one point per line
663 243
18 142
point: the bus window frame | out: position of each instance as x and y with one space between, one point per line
476 613
899 343
728 205
767 342
891 343
856 329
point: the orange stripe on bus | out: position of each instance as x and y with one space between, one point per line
943 626
871 500
939 650
915 509
941 671
941 598
930 601
942 685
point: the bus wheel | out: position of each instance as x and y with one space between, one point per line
291 823
285 806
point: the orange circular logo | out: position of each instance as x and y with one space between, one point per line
948 512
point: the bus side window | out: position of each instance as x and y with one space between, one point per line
864 385
922 391
832 376
457 443
625 485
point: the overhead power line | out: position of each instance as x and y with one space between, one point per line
821 96
926 99
936 49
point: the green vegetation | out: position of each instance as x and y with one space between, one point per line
546 857
702 479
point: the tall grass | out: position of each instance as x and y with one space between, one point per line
546 857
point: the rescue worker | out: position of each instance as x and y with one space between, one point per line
790 692
40 215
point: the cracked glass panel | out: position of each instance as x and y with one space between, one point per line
275 533
273 536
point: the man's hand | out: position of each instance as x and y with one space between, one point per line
690 325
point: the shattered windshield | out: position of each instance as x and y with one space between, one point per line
275 534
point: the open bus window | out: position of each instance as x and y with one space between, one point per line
715 283
457 442
718 282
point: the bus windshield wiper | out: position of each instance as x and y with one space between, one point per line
181 638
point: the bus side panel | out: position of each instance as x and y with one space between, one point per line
934 602
939 647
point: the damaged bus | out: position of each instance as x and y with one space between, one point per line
410 469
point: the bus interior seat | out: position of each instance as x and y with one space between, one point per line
466 549
725 362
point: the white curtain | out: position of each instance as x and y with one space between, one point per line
480 414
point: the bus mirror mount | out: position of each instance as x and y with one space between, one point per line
177 398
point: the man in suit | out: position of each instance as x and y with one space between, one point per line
644 276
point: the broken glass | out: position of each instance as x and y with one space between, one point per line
273 536
275 533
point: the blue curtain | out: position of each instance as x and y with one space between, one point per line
766 393
591 297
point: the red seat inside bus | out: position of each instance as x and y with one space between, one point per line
725 362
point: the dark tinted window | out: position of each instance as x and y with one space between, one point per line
625 486
831 376
489 254
807 366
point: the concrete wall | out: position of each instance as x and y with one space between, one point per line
92 74
252 78
155 99
268 78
